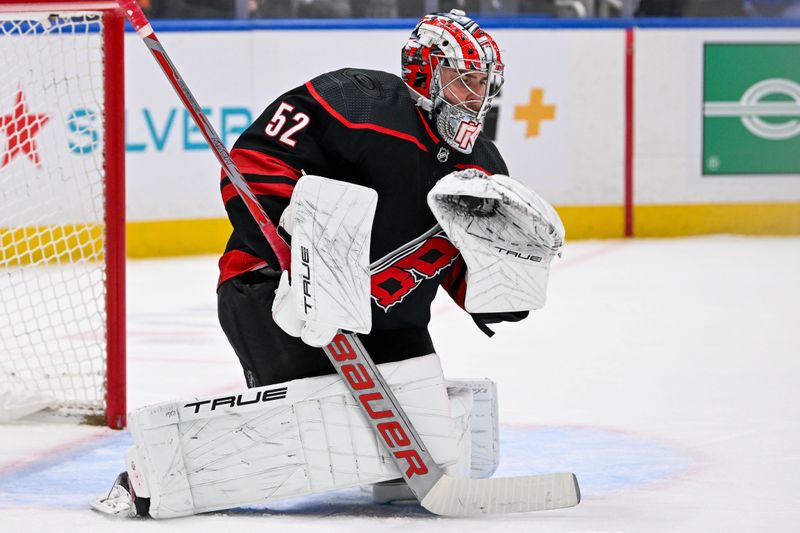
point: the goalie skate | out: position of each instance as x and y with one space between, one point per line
120 501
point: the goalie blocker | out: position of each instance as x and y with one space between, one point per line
297 438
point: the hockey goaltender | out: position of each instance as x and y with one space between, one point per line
383 188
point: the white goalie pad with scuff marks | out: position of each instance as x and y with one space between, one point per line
507 235
268 443
482 427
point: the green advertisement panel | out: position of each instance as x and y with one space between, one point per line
751 108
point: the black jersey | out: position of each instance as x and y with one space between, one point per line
362 127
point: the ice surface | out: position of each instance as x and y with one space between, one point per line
664 373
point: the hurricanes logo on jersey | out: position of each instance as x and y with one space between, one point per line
403 270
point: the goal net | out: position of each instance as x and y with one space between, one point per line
61 211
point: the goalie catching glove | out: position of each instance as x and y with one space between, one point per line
328 288
507 235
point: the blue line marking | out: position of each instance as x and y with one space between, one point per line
70 480
605 461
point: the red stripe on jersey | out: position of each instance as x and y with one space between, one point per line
427 128
237 262
253 162
282 190
461 166
228 192
352 125
454 283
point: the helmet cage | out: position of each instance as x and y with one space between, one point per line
461 100
470 89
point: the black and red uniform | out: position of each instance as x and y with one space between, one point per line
362 127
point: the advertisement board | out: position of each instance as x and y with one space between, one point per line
715 125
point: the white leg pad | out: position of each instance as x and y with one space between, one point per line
461 402
479 456
297 438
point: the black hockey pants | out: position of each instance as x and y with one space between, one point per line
268 355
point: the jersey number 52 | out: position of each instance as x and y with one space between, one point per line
278 121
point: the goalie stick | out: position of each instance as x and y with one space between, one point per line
436 491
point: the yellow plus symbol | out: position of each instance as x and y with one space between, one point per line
535 112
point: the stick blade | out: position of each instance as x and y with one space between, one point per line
469 497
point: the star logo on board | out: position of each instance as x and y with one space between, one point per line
20 127
534 112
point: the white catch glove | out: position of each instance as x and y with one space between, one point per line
507 235
329 286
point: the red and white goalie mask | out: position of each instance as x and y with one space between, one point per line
453 70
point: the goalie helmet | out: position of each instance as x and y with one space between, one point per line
453 70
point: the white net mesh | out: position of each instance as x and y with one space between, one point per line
52 278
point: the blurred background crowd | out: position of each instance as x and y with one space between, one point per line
216 9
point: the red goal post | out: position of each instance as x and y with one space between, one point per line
62 210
